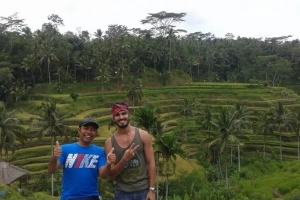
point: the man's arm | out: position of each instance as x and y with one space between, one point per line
105 170
54 164
117 168
149 156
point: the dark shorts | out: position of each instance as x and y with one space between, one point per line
139 195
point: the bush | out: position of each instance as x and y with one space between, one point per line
294 195
74 96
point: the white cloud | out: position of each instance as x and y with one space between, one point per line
245 18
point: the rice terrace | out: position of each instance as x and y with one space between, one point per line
223 113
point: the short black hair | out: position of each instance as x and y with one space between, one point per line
89 120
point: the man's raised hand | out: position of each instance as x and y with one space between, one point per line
111 157
57 150
129 153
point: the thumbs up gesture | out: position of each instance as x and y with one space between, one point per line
111 157
57 150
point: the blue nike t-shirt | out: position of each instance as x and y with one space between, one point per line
80 170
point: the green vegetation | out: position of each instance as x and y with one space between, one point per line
188 112
213 139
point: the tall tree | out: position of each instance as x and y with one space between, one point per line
225 124
169 147
103 75
295 121
243 126
47 54
147 117
281 117
30 64
205 121
265 126
163 21
133 87
10 130
50 124
6 82
187 108
11 23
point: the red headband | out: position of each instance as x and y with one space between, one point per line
118 108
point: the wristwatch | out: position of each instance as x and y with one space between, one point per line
152 189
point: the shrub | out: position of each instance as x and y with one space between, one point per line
74 96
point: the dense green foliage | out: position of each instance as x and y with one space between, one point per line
28 57
243 137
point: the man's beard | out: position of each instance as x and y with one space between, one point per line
123 125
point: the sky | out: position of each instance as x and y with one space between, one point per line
244 18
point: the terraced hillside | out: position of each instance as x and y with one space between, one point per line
35 154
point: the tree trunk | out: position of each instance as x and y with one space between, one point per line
264 155
33 80
170 56
52 178
58 76
231 153
226 174
220 168
75 72
298 147
167 186
157 175
49 76
239 158
280 142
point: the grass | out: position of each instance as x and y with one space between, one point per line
11 193
274 185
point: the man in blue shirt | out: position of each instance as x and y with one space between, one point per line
82 162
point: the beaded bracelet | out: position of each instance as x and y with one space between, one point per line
124 159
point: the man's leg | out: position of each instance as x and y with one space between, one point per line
123 195
141 194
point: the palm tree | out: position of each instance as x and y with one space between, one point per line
281 117
296 125
147 117
51 124
29 63
134 94
210 60
244 124
206 116
46 53
103 75
170 38
122 68
169 147
10 130
226 125
164 77
85 64
187 108
98 34
155 55
265 127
